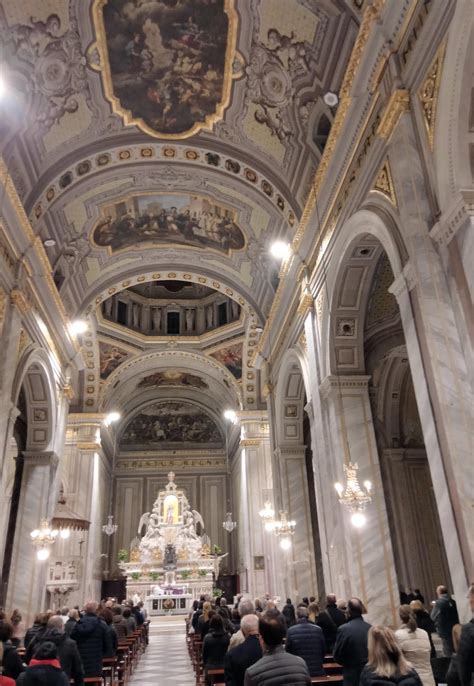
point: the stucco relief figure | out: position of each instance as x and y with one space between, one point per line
234 308
156 315
190 314
136 315
108 307
209 316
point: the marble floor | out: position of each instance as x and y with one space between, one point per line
166 659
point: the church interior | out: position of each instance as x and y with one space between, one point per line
235 301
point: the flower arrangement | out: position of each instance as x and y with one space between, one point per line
154 576
217 550
135 575
122 555
217 592
202 572
185 573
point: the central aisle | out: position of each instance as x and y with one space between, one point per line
166 659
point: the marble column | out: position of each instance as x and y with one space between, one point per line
26 589
443 356
364 554
300 558
259 560
86 478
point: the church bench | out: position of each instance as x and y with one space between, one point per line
332 668
330 678
109 667
214 675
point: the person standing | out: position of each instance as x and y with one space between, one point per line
245 607
238 659
415 645
337 615
44 669
91 636
276 667
445 615
306 640
386 662
465 654
424 621
350 649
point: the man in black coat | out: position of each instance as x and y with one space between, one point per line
91 636
445 615
11 661
337 615
244 655
68 654
306 640
350 649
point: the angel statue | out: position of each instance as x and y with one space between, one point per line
191 518
153 529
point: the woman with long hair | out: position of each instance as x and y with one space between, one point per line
415 645
424 621
386 663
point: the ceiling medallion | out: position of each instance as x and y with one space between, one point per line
167 69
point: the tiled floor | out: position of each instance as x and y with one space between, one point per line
166 660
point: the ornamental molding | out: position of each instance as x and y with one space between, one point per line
306 304
429 91
152 464
404 282
398 104
384 184
335 383
20 300
458 215
46 458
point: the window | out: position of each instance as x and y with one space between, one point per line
173 321
122 313
222 314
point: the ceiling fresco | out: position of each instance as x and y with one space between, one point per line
166 65
163 145
168 424
181 219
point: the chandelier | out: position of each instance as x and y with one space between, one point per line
267 514
43 538
284 528
352 496
229 525
110 528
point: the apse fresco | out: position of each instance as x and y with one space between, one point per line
167 61
168 424
111 357
183 219
170 378
231 356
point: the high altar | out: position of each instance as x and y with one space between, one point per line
171 564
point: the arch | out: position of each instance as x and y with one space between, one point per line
353 255
35 374
454 136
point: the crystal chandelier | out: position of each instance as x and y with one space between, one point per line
229 525
284 528
352 496
110 528
267 514
43 538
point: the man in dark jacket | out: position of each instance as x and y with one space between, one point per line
244 655
68 653
33 630
350 649
307 640
445 615
465 654
214 646
276 667
44 669
119 623
91 636
337 615
11 661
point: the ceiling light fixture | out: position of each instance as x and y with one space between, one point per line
111 418
230 415
280 249
3 87
79 326
49 243
331 99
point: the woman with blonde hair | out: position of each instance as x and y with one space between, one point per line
415 645
386 663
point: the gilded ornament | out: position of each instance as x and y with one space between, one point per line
384 183
398 104
428 93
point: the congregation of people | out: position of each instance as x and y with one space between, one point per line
257 644
64 645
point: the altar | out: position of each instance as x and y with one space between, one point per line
171 564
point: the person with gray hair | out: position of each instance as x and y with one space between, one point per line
246 607
306 640
245 654
68 653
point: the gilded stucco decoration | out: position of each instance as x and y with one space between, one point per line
428 94
384 183
167 68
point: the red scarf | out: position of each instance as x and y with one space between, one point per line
53 663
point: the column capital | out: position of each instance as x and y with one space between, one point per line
290 452
38 458
333 382
459 214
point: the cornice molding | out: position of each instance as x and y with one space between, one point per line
40 458
458 215
334 383
398 104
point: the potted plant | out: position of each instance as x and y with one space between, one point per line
217 592
217 550
122 555
135 575
154 576
185 573
202 572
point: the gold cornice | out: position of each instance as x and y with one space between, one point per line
429 91
398 104
249 442
20 300
306 304
127 116
384 184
